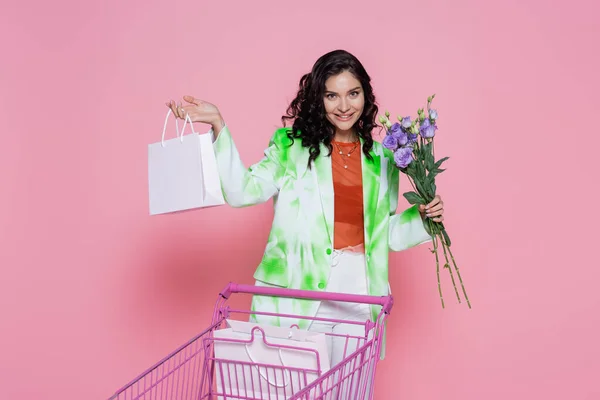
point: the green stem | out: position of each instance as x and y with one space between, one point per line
457 272
412 184
423 158
437 267
447 265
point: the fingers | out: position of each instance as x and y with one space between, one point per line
192 100
437 199
179 110
175 109
434 209
430 214
437 207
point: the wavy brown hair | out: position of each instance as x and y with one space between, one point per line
307 110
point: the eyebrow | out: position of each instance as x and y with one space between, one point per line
351 90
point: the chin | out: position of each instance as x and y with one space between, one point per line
344 125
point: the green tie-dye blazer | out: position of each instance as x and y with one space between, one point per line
301 236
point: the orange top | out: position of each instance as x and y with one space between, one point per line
348 195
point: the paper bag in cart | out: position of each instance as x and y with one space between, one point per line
265 366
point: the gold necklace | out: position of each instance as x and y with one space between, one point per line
346 155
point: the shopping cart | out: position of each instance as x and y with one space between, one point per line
194 372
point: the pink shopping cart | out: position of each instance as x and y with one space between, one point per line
196 371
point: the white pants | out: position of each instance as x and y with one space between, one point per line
348 275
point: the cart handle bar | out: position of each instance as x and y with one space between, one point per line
385 301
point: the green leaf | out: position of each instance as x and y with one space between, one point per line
446 237
419 171
434 228
436 172
427 227
414 198
409 170
430 185
424 191
430 180
428 157
440 161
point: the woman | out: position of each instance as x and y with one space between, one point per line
335 195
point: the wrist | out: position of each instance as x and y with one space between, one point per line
217 125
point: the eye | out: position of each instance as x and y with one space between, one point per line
330 96
354 93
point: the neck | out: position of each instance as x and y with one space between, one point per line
345 136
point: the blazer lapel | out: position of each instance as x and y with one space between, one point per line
323 177
371 171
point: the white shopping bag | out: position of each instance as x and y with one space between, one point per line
182 172
237 369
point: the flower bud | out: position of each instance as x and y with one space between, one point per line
387 114
382 119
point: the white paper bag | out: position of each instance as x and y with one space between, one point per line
182 172
246 380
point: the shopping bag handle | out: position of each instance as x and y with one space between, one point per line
386 302
266 378
179 134
187 119
176 127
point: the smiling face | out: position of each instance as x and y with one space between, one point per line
344 102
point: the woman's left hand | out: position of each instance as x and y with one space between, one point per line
433 210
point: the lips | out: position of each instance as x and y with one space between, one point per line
344 117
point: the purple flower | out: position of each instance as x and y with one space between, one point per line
403 156
398 133
412 139
395 128
390 142
433 114
427 130
406 122
402 138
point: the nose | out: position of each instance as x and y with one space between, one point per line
344 105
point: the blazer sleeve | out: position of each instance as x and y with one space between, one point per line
243 186
406 229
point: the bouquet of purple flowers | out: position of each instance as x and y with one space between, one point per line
412 145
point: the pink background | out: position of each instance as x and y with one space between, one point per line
94 290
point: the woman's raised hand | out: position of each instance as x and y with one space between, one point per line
198 111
